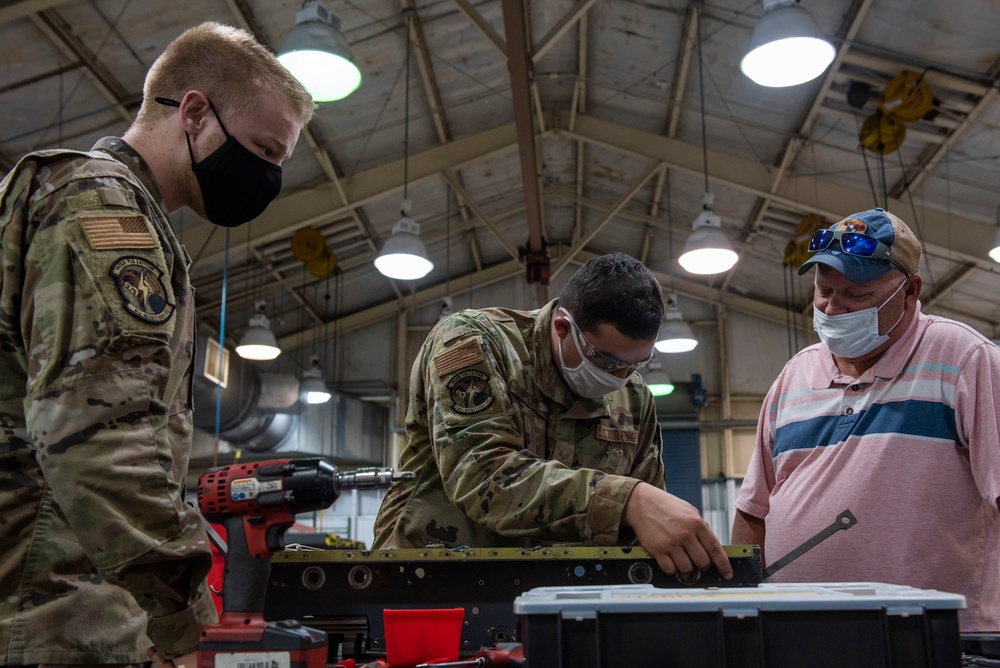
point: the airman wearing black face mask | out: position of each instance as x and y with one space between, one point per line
236 185
101 555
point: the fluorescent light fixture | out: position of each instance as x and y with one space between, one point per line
656 379
707 250
258 342
404 257
675 334
317 54
313 388
786 48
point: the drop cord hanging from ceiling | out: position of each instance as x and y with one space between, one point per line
408 13
446 303
881 167
447 242
300 432
249 290
913 206
326 360
882 177
338 306
404 256
335 354
864 159
222 349
707 249
701 93
789 270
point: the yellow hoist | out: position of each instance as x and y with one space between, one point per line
309 246
906 98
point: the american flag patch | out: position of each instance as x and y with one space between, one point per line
459 357
124 232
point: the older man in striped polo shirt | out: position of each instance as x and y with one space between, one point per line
893 416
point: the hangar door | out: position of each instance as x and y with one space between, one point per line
682 457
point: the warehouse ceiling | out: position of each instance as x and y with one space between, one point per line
558 129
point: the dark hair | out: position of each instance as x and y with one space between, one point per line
617 289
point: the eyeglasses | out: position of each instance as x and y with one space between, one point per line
855 243
599 359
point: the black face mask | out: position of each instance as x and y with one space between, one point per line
236 185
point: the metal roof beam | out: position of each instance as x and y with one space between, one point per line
560 28
518 50
316 207
689 38
391 309
61 34
808 121
483 25
948 235
11 11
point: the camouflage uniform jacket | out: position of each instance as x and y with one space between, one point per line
505 454
99 554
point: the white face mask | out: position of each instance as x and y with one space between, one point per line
586 379
853 335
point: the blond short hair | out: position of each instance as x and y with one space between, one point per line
228 65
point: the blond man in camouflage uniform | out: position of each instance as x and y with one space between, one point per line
531 428
100 557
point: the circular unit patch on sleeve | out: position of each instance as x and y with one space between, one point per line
140 284
470 392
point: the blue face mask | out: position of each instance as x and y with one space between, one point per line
855 334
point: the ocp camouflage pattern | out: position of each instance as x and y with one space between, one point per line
99 553
505 455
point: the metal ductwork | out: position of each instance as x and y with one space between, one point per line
255 410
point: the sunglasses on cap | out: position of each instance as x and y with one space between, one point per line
854 243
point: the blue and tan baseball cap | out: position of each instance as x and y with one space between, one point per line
886 228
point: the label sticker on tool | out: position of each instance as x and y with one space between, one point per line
253 660
250 488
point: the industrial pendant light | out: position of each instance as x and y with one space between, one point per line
404 257
675 334
313 388
786 48
258 342
707 249
995 253
317 54
656 379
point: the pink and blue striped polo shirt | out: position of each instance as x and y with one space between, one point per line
911 448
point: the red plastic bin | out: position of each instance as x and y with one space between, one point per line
422 635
